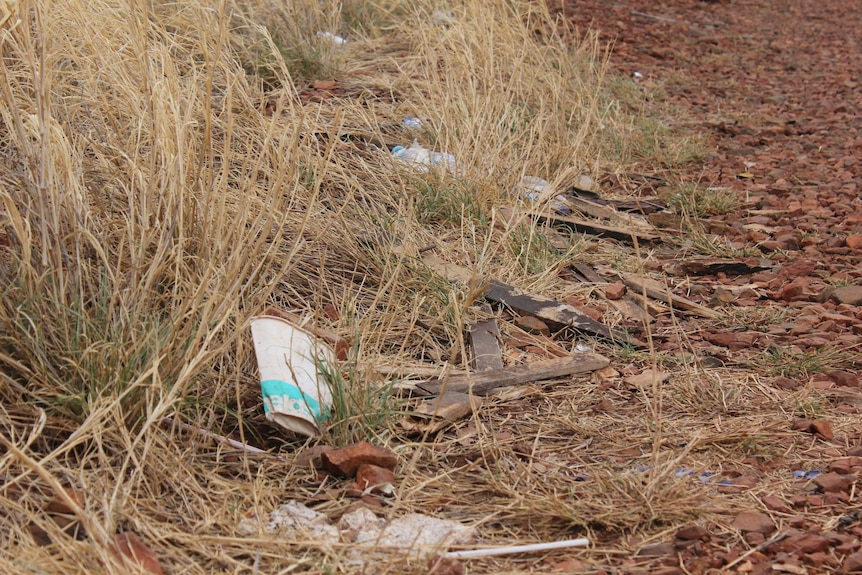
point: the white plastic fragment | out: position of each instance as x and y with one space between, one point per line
294 518
537 189
444 18
419 534
422 158
638 76
508 550
335 39
412 123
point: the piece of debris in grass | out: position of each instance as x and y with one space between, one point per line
346 460
441 411
485 343
483 383
556 314
133 554
292 517
512 549
594 227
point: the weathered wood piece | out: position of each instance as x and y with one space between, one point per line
595 228
557 314
483 383
712 266
659 291
485 341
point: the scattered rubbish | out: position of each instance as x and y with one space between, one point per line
485 382
626 304
335 39
583 225
557 314
511 549
448 407
293 517
295 394
537 189
443 18
412 123
694 266
424 159
416 533
801 474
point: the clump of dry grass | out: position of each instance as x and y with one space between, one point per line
162 181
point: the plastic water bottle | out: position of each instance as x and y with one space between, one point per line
422 158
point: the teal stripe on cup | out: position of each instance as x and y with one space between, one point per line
287 398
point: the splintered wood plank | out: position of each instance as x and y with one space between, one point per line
485 341
595 228
659 291
483 383
557 314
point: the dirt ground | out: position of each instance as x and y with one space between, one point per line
778 87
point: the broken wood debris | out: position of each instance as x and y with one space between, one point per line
557 314
595 228
483 383
713 266
485 343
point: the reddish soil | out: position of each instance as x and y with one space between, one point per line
778 86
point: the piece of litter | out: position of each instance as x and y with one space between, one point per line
800 474
638 75
294 517
508 550
334 38
424 159
412 123
419 534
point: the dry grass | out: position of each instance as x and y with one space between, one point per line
152 203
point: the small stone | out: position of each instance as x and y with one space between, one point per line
532 324
324 84
59 504
851 295
843 378
374 479
800 425
793 290
823 428
853 241
311 456
853 563
692 532
855 451
786 383
754 538
774 503
755 521
810 543
833 482
615 290
128 549
346 461
605 405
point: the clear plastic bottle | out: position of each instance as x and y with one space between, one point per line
424 159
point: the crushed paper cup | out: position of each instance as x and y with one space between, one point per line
295 393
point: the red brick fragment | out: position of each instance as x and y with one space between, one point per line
346 461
